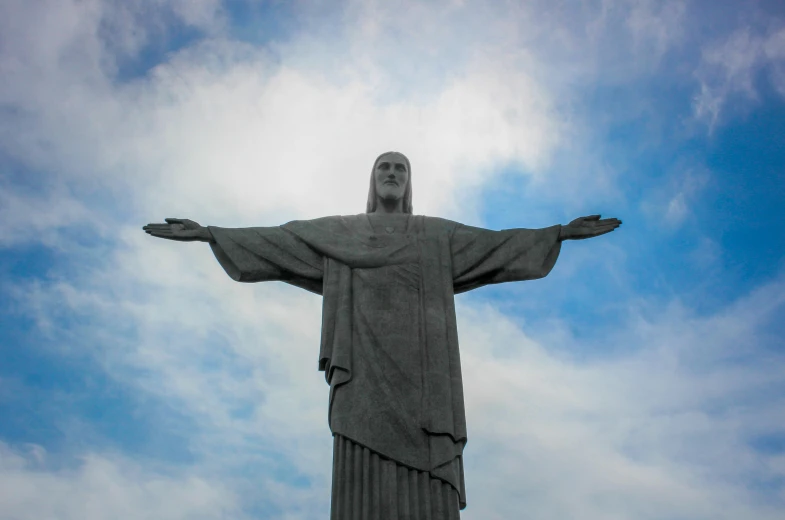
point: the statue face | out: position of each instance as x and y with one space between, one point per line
391 176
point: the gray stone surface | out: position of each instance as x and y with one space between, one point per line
389 345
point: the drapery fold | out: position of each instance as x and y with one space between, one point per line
354 269
369 487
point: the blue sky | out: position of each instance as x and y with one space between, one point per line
641 379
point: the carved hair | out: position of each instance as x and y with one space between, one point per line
407 193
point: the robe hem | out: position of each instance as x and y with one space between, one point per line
461 499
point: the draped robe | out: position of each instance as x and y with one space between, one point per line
389 345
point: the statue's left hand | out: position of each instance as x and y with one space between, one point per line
588 227
180 229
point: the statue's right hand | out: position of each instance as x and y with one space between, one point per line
180 229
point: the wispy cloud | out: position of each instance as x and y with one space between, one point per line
731 68
659 423
105 486
663 427
670 202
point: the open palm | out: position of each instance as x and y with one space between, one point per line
181 229
588 227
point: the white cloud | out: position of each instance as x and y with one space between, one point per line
38 217
656 26
730 67
223 128
660 428
103 487
231 134
271 135
226 127
671 202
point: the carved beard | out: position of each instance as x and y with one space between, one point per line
407 192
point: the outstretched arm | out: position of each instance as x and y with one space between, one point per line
251 254
180 229
588 227
481 256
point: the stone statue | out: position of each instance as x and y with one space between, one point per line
389 346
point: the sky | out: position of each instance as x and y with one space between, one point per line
642 379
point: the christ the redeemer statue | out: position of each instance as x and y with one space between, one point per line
389 347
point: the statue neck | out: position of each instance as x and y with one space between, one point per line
389 206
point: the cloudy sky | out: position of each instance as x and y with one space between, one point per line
642 379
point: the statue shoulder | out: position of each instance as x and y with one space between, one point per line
322 227
359 224
438 224
321 222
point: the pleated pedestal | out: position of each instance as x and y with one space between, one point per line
367 486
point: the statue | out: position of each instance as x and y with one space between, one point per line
389 346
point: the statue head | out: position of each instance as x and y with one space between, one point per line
391 182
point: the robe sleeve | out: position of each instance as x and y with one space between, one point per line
481 256
263 254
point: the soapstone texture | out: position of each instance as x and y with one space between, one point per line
389 345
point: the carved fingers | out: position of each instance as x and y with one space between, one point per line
590 226
174 229
605 225
161 231
605 228
184 222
